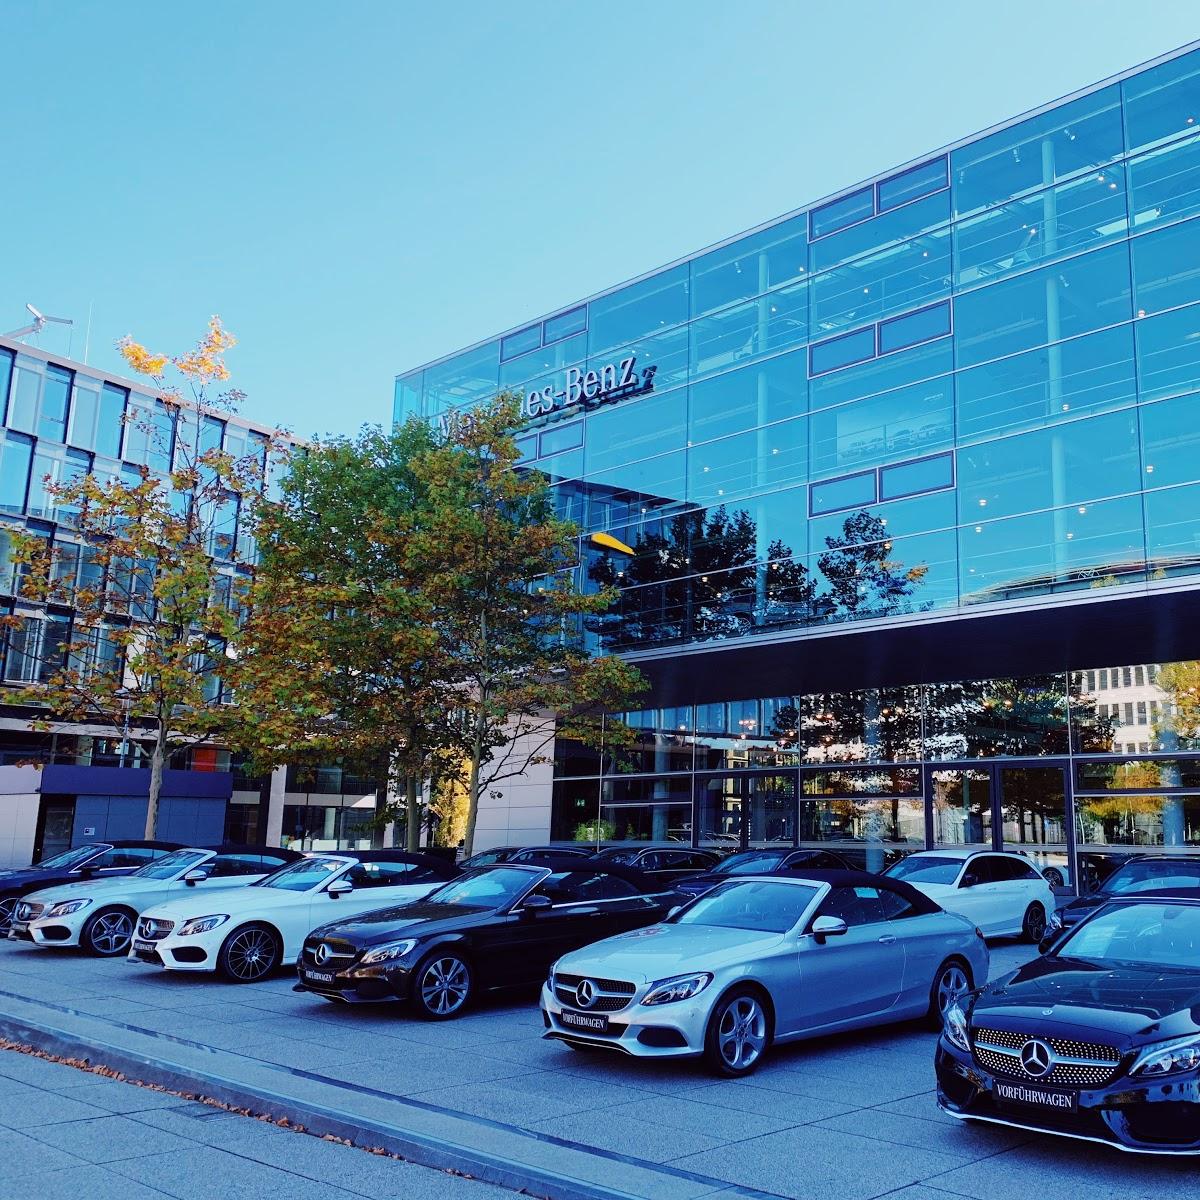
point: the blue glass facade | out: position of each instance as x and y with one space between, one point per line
968 387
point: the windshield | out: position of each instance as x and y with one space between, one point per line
926 868
755 904
750 862
491 887
1148 875
68 858
484 858
169 864
614 855
1144 934
303 875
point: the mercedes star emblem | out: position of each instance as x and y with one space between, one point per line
1037 1058
585 993
322 954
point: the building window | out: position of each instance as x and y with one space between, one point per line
842 351
912 184
1104 679
912 478
1141 712
562 437
16 455
56 392
6 365
910 330
564 325
851 491
1127 677
520 342
837 214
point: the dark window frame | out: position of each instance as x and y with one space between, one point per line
824 512
910 462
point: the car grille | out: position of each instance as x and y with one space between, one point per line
609 995
336 951
29 910
1087 1064
152 930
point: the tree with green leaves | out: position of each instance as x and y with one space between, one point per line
500 569
149 571
415 602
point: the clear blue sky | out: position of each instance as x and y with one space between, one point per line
360 187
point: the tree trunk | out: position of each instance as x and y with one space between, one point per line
412 808
473 786
157 755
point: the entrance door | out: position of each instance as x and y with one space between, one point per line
56 822
738 812
1005 806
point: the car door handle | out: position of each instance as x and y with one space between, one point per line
887 939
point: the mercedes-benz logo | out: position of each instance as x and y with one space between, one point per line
585 993
1037 1058
322 954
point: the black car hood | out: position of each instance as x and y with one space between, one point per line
419 918
1090 1002
1083 905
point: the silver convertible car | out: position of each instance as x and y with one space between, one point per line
765 959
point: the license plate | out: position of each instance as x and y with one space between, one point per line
143 949
317 976
18 927
592 1022
1021 1095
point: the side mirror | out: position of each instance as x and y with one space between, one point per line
827 927
339 887
970 879
195 876
535 904
87 872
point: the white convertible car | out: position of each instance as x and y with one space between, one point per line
99 914
245 935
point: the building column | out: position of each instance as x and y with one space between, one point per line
275 806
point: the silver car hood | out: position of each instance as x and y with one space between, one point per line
659 951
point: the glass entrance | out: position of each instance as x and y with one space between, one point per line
55 827
739 812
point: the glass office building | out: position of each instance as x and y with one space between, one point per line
911 481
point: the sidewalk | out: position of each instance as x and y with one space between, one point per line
68 1134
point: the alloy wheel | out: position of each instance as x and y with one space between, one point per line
951 984
7 907
111 933
1034 925
742 1033
250 954
445 983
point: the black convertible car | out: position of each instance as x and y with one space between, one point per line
1145 873
1097 1039
761 862
495 927
94 860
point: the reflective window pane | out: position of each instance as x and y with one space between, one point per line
922 326
755 395
565 324
842 351
848 492
520 342
1171 441
1168 352
1166 268
638 310
1163 102
839 213
1164 185
913 183
749 266
921 475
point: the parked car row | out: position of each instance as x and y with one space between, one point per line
1097 1038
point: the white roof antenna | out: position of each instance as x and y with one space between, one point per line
40 321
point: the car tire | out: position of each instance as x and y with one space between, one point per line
1033 924
442 985
739 1032
1054 877
953 978
248 954
8 905
107 933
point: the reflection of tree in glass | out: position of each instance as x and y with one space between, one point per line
864 580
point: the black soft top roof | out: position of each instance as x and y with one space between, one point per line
133 844
447 870
852 879
274 851
645 882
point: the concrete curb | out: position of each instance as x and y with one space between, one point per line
505 1170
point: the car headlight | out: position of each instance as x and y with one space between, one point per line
64 908
954 1025
1167 1058
388 953
679 987
202 924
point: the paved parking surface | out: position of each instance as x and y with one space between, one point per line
846 1118
67 1134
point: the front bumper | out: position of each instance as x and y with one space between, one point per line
51 931
1162 1117
658 1031
174 953
382 984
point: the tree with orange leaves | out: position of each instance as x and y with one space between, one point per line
157 600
